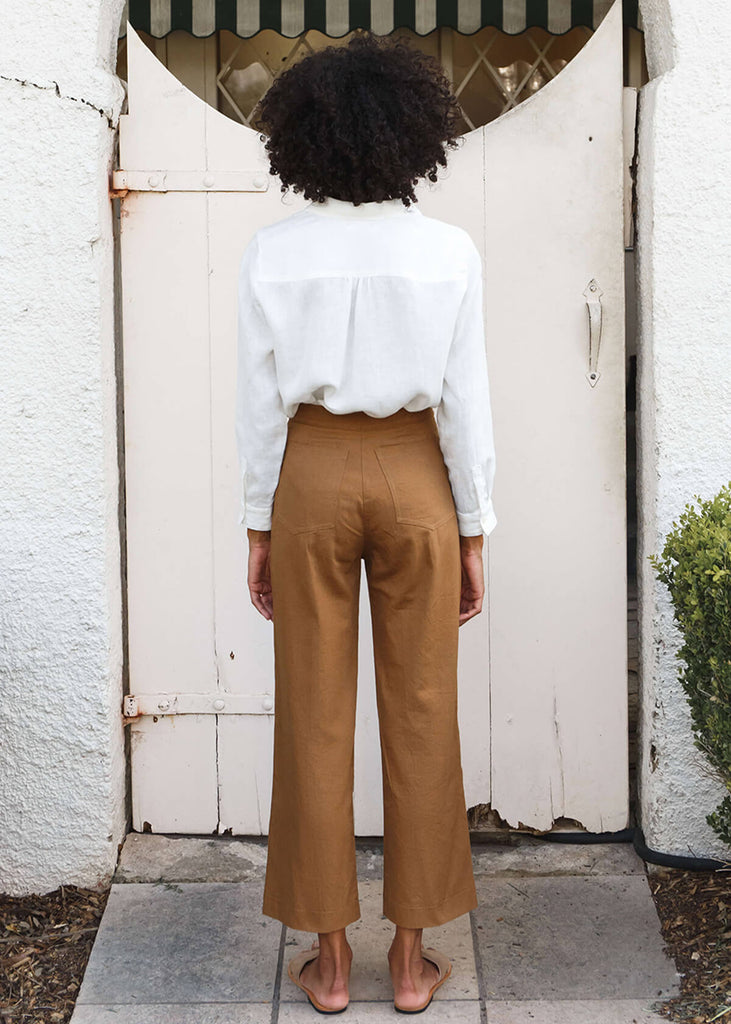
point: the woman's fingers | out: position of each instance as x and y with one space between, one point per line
259 581
469 607
473 585
262 600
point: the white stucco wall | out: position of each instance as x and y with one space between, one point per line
684 374
62 772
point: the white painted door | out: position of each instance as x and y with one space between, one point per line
543 670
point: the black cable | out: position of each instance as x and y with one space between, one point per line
637 838
624 835
671 860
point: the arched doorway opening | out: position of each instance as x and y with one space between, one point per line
487 88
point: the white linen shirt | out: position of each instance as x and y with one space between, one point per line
367 308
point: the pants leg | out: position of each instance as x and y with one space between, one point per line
413 566
311 881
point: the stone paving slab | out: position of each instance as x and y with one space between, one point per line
530 856
146 857
150 858
174 1013
446 1012
571 937
583 1011
564 934
200 942
370 938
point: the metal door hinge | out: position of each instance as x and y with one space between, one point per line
135 706
188 181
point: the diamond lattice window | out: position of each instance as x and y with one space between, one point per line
490 71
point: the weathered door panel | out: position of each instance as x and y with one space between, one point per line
542 671
557 565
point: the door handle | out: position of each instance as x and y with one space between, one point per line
593 295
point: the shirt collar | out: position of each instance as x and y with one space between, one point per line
332 207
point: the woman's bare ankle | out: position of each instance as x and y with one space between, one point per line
412 976
406 945
328 974
335 953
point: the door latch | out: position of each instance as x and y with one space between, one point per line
593 295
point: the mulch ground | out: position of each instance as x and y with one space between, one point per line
695 915
45 942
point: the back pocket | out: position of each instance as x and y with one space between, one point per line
418 481
306 498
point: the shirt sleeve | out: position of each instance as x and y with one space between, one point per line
261 422
464 417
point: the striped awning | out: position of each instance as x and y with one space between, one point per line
338 17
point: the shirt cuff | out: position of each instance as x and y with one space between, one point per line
255 518
472 524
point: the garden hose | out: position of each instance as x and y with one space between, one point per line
637 838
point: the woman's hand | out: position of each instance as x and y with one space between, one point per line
473 577
259 581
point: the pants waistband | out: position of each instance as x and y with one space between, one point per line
318 416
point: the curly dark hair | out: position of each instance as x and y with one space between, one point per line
362 122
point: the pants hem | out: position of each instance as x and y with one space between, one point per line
430 917
310 920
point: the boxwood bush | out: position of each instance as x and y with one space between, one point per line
695 565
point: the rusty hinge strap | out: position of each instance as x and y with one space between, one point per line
216 703
190 181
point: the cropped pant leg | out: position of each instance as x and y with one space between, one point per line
413 564
315 561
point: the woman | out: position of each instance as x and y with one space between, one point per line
358 317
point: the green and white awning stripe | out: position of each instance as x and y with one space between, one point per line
338 17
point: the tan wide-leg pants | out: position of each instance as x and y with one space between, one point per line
355 487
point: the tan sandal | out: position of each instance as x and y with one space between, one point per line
294 969
443 965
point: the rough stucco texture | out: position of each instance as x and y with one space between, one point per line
61 741
684 257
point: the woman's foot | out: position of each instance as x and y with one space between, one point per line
328 975
412 976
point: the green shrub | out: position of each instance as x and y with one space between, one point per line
695 564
